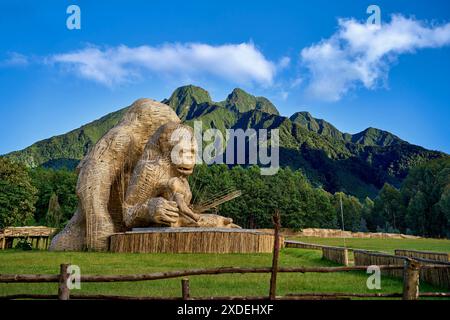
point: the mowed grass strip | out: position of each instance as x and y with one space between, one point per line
384 245
42 262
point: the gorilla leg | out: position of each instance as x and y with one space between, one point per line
72 238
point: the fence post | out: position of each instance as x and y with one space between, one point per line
276 253
63 289
185 289
346 263
411 274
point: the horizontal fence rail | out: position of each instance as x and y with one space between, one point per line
31 278
64 292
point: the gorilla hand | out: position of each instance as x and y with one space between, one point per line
163 211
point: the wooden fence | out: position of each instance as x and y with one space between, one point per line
336 254
439 277
411 269
435 256
373 258
410 285
302 245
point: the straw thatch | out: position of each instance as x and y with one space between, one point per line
32 231
193 240
336 233
104 174
37 236
130 179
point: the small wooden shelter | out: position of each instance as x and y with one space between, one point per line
37 236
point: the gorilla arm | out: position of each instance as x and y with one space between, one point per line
180 192
96 176
143 201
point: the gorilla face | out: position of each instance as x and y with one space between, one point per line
187 153
184 150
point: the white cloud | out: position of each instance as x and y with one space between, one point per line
284 62
241 63
284 95
296 82
359 54
15 59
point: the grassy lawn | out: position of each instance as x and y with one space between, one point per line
385 245
22 262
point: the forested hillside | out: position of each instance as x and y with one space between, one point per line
358 164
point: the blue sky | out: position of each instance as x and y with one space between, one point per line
316 56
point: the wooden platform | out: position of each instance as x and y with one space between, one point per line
192 240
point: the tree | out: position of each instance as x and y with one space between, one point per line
54 213
321 211
420 207
351 208
426 193
363 226
389 206
444 206
62 183
17 194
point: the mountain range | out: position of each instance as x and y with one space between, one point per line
357 164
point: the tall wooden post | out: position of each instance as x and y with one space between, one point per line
411 274
185 289
63 289
276 253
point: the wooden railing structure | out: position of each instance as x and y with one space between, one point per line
411 270
37 236
410 285
439 277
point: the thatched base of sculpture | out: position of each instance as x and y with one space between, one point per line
192 240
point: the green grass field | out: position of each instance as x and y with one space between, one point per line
41 262
385 245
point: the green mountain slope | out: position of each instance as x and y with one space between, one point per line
241 101
358 164
319 126
376 137
189 100
67 149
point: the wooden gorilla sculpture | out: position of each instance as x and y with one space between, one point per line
129 179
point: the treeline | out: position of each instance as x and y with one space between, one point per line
289 191
35 197
420 207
